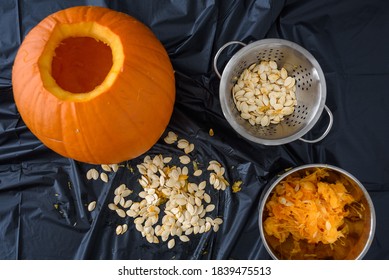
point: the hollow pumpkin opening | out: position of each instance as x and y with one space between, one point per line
80 61
81 64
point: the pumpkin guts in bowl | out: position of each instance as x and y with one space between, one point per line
308 209
316 213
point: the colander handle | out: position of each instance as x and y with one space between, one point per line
331 121
220 51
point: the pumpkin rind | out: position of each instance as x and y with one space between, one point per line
114 124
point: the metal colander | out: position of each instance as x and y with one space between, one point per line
310 90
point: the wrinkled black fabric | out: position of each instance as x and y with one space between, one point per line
43 196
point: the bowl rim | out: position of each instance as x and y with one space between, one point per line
273 183
223 91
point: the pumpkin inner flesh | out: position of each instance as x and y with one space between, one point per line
94 47
81 63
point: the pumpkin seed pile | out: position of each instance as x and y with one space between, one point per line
263 94
172 190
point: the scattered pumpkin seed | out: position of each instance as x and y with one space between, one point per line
171 243
106 167
104 177
113 206
184 238
124 228
114 167
116 199
189 148
210 208
127 204
184 159
121 213
218 221
197 173
182 144
119 229
92 174
91 206
170 138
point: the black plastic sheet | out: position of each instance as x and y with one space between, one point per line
43 196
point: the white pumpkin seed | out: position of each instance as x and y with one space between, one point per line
216 183
150 238
190 208
218 221
287 110
124 228
184 238
168 140
119 190
112 206
126 192
196 229
92 174
91 206
127 204
181 201
122 201
210 208
116 199
273 77
184 159
172 135
185 170
288 103
106 167
114 167
121 213
119 229
265 121
197 173
288 82
208 226
89 175
104 177
283 73
273 64
171 243
212 178
202 185
189 148
182 144
207 198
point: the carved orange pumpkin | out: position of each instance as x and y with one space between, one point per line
94 85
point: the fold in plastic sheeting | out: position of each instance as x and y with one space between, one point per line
44 197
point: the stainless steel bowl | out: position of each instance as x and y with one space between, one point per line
366 227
